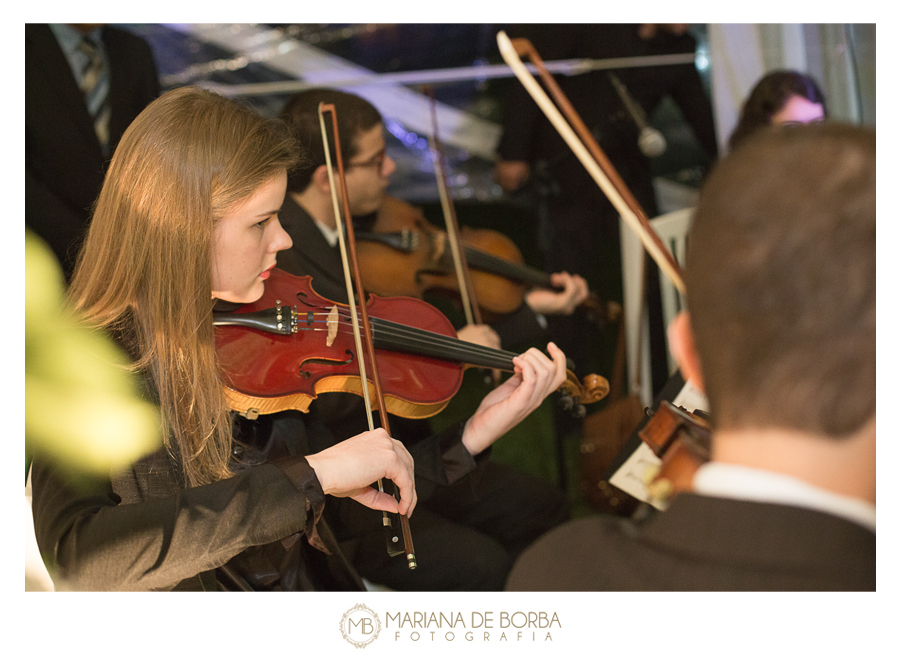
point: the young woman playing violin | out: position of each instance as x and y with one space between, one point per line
188 218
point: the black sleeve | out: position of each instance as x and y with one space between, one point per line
527 134
134 78
520 329
442 459
92 540
521 116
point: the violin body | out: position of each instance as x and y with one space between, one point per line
266 372
425 263
272 365
408 256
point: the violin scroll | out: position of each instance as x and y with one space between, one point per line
575 394
682 440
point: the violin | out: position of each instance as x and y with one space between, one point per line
283 350
403 254
681 440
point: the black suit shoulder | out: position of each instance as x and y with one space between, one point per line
703 543
311 255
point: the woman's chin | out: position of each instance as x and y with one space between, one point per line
242 297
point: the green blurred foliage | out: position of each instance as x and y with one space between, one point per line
82 405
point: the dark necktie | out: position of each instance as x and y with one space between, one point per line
95 87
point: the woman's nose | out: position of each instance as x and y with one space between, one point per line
281 240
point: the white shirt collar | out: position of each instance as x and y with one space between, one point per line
330 234
744 483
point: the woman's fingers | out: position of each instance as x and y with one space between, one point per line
536 377
350 467
544 374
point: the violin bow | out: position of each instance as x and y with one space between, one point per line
463 274
466 288
587 151
348 255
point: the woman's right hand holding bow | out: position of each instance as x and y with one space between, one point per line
347 470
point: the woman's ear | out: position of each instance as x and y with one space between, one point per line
681 344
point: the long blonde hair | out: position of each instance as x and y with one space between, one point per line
187 159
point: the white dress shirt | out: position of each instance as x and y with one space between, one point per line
744 483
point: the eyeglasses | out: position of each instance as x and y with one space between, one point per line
376 161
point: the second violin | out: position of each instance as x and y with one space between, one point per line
404 254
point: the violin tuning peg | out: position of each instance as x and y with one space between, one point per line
566 402
580 411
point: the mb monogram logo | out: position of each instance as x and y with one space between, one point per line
360 626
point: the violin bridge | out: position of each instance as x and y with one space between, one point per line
332 324
438 245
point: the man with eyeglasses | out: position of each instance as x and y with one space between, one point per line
308 215
475 515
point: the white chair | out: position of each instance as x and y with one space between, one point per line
672 228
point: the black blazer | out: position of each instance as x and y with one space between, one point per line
142 529
64 165
311 255
703 543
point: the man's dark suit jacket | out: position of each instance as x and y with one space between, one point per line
311 255
64 164
703 544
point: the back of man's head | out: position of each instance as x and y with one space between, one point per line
781 281
355 115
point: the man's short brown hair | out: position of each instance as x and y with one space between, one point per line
355 116
781 281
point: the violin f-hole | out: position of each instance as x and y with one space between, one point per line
306 374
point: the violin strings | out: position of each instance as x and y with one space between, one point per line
451 346
514 271
397 330
405 331
405 338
